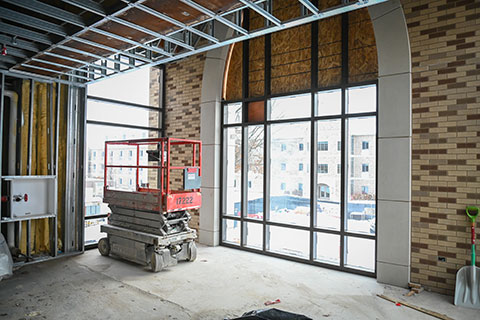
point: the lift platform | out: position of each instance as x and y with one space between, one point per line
148 223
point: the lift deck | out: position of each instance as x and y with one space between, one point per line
148 225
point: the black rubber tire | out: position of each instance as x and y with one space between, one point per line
156 262
192 251
104 247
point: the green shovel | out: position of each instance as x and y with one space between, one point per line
467 287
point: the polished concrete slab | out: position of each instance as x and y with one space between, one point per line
222 283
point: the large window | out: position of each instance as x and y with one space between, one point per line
305 183
276 216
114 115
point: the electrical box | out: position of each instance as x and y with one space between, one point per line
30 197
191 178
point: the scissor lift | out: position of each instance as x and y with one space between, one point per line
147 225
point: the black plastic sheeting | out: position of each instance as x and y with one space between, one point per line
271 314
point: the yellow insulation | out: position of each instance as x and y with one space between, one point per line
40 237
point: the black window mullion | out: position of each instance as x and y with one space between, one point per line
313 182
266 184
244 183
313 139
343 161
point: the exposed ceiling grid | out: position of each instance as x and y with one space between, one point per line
89 40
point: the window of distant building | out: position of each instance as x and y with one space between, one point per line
323 146
323 168
324 191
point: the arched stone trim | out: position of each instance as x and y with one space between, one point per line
394 143
210 133
394 147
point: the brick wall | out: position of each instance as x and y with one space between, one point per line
183 93
445 49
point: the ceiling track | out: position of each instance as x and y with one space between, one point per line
49 47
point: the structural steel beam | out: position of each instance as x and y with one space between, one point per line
18 43
30 21
8 59
25 33
48 10
17 53
88 5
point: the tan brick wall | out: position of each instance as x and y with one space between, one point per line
183 93
445 49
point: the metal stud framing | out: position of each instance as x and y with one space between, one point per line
38 37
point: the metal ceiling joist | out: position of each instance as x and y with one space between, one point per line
134 43
25 33
50 11
213 15
94 55
337 10
79 3
310 6
262 12
18 43
33 22
150 32
8 59
81 62
127 42
113 50
17 53
38 77
174 22
53 71
88 5
66 66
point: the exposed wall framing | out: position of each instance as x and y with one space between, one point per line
46 112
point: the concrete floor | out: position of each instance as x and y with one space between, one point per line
222 283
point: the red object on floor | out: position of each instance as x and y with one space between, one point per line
398 304
268 303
